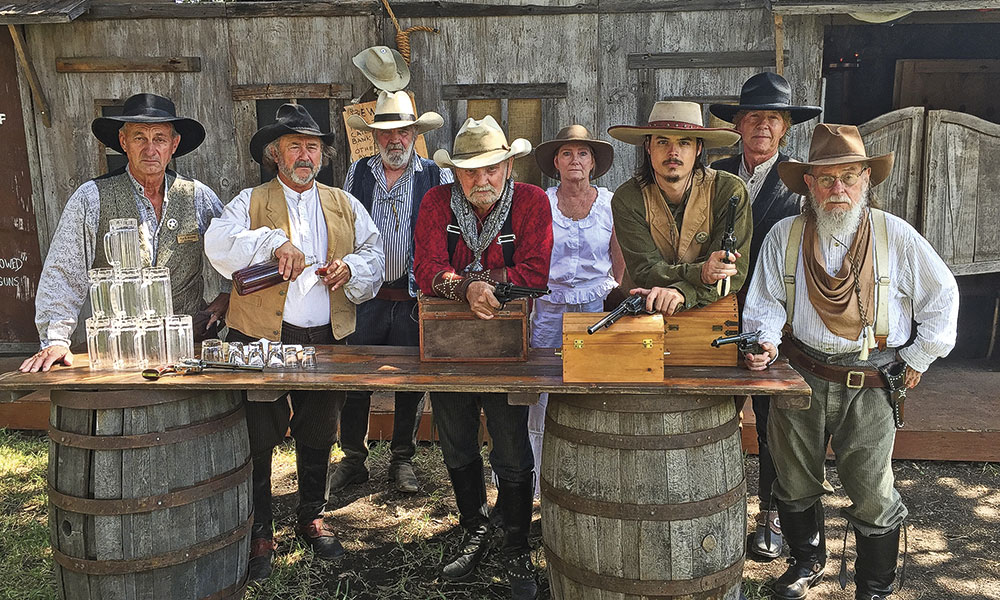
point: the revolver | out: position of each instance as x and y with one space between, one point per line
505 292
748 343
192 366
633 305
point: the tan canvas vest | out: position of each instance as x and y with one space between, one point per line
259 314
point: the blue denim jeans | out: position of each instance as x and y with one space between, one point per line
457 417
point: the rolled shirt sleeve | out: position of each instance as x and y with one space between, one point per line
231 245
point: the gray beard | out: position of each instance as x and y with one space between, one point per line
840 224
394 158
290 173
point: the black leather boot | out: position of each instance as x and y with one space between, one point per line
311 464
470 496
516 504
262 531
875 567
808 560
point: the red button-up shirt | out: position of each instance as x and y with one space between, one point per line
531 220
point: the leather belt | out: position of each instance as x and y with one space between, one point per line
394 294
852 377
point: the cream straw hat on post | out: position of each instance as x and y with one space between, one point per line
480 144
394 110
384 67
670 117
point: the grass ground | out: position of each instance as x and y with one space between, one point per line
396 542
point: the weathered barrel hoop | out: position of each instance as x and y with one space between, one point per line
649 404
715 584
147 440
128 506
105 400
641 442
234 592
168 559
644 512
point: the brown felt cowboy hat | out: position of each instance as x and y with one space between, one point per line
384 67
149 109
834 145
289 120
394 110
604 152
480 144
672 117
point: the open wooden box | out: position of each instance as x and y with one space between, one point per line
450 332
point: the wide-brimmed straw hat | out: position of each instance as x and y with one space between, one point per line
834 145
672 117
149 109
480 144
290 119
384 67
394 110
765 91
604 152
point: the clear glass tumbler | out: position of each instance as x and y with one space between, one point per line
99 344
291 355
126 294
156 295
180 338
255 354
154 344
275 356
237 353
126 344
100 292
308 358
211 350
121 244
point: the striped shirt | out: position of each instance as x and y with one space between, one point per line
755 180
391 211
921 289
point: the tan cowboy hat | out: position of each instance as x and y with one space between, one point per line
604 152
384 67
834 145
480 144
394 110
671 117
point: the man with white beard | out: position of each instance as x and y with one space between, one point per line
845 283
390 186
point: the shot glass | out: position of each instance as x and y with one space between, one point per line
308 361
211 350
180 338
275 356
255 354
291 355
237 354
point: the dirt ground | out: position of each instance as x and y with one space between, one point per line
396 542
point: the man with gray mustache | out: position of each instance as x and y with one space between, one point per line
389 185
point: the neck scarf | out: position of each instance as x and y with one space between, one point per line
836 297
468 222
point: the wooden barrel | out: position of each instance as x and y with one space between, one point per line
643 497
149 494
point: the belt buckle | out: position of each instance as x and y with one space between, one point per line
851 375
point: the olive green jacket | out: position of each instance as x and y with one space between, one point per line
647 267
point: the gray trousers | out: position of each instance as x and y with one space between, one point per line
862 432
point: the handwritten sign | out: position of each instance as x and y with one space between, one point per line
363 142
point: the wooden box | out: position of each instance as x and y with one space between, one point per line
630 351
689 335
450 332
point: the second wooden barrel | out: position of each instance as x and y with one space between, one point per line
643 497
149 494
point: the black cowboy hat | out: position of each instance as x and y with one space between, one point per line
765 91
290 119
149 108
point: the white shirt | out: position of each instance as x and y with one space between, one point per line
921 288
231 245
755 180
580 266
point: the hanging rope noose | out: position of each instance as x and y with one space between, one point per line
403 35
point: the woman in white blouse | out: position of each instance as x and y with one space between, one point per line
586 261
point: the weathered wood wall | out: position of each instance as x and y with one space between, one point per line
585 46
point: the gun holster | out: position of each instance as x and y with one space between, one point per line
895 381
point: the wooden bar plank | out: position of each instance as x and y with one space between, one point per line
122 64
486 91
699 60
810 7
31 415
52 11
281 91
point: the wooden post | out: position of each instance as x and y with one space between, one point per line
779 44
29 71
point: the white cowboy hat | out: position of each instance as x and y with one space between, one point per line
671 117
384 67
480 144
394 110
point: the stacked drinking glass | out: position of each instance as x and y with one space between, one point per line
133 324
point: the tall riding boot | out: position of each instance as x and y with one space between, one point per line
808 559
516 504
311 464
470 496
262 531
353 441
408 408
875 567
